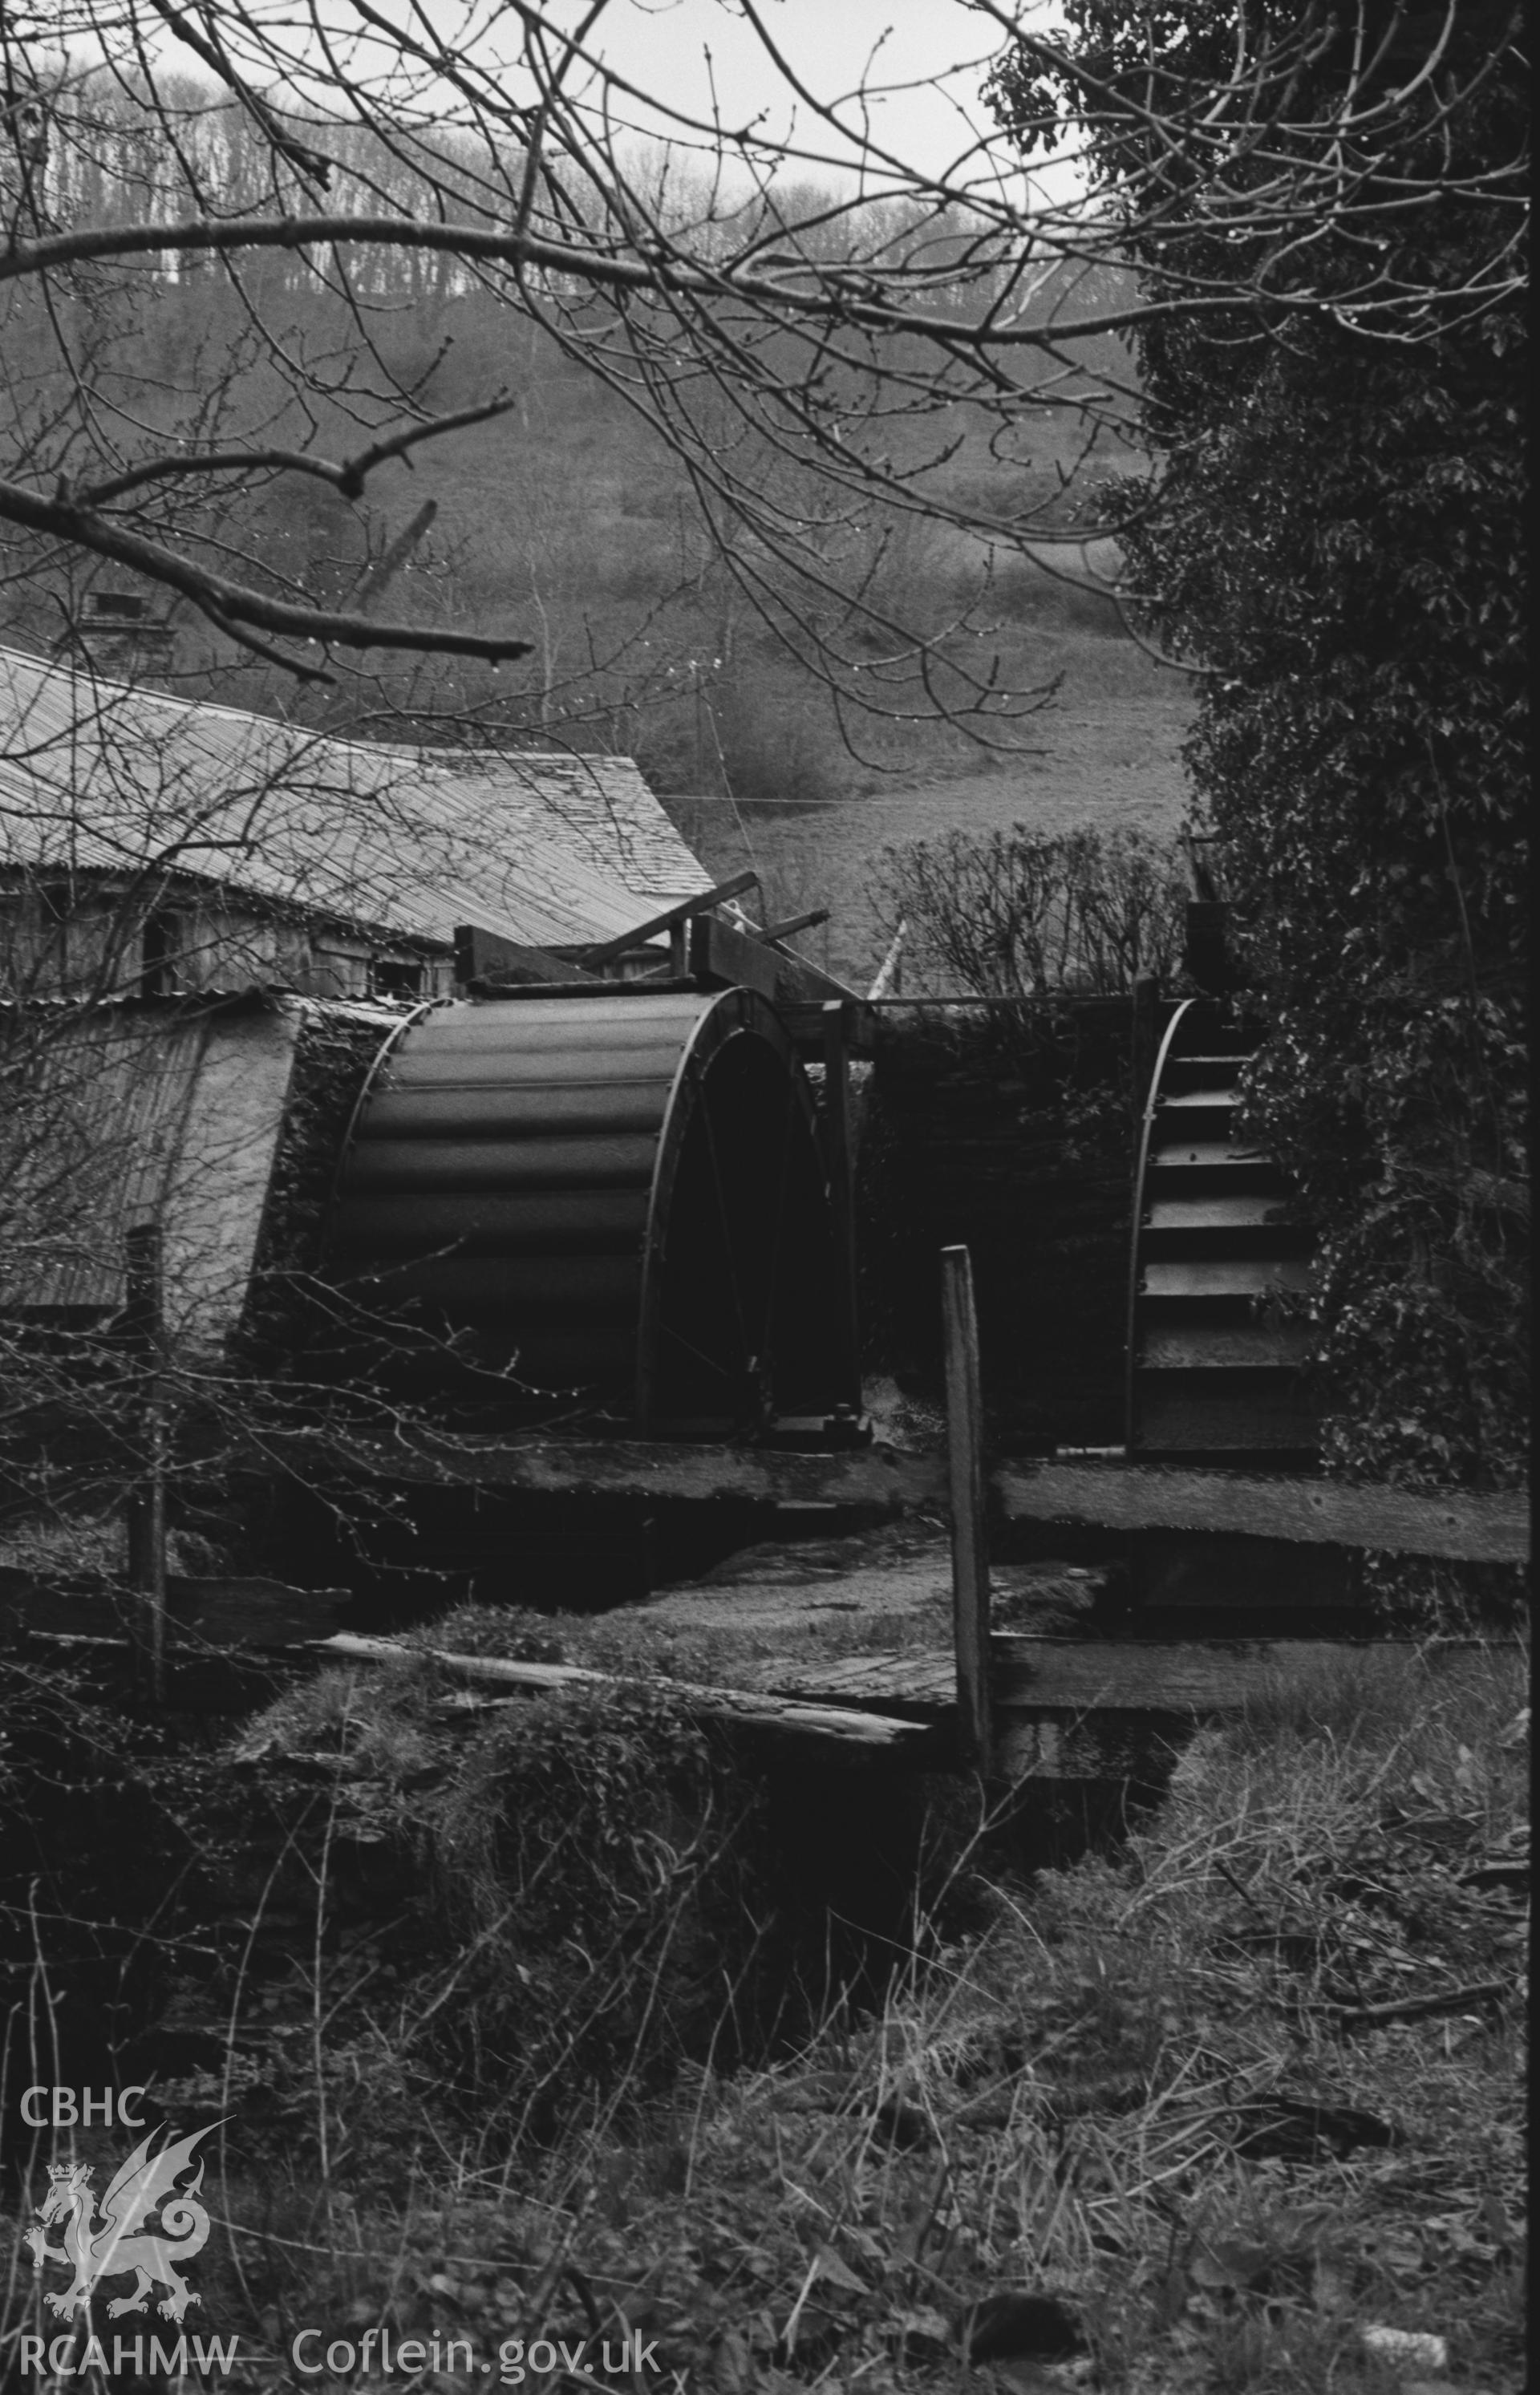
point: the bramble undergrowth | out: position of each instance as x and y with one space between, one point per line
1232 2094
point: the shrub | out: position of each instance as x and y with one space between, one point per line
1009 914
1332 532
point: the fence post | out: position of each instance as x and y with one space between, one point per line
969 1534
840 1149
145 1314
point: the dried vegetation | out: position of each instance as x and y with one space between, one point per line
1193 2114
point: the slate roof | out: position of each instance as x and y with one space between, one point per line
546 849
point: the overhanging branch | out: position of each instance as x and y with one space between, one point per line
229 605
346 475
833 293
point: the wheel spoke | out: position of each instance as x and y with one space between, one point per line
772 1285
744 1351
722 1371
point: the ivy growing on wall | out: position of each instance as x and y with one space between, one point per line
1332 537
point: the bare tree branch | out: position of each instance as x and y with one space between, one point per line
779 337
316 168
228 603
347 476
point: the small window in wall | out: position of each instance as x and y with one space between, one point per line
394 977
160 946
115 606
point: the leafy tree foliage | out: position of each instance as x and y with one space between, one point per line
1332 537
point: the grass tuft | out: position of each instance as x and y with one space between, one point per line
1228 2097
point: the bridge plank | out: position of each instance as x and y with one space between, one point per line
919 1676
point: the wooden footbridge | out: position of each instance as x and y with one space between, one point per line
1004 1705
994 1702
627 1189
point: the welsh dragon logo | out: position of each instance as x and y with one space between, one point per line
109 2248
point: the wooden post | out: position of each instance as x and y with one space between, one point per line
146 1323
890 973
842 1179
969 1534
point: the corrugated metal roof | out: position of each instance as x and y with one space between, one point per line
544 848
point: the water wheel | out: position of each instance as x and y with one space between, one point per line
1216 1365
618 1201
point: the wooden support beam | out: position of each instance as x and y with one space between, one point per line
803 1019
969 1530
878 1477
1097 1017
1083 1709
1198 1677
861 1733
839 1148
486 955
145 1323
683 911
1469 1525
725 956
808 922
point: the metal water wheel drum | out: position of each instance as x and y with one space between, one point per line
617 1201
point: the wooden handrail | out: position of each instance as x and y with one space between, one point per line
1472 1525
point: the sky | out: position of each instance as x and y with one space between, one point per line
907 73
933 55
